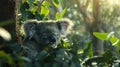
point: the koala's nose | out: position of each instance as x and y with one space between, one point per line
52 38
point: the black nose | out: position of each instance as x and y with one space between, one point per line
52 38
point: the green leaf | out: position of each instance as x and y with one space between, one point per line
80 51
24 13
57 16
24 58
114 40
35 3
65 43
56 3
101 36
44 11
63 12
105 36
110 35
31 1
45 3
25 5
87 50
3 55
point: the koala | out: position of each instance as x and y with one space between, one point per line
42 34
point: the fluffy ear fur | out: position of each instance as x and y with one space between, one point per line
30 28
64 25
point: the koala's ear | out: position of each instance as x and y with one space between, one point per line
64 25
29 27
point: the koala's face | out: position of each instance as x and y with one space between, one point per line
46 33
49 34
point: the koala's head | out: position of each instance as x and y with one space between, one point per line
47 33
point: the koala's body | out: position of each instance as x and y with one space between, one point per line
41 34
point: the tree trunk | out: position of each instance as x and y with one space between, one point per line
96 27
93 23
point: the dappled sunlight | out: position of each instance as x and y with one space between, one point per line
112 2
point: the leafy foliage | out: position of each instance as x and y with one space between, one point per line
108 36
110 56
39 10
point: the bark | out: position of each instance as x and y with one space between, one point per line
96 27
17 23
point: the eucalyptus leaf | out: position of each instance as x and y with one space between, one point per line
57 16
114 40
110 35
56 3
44 11
31 1
45 3
101 36
63 12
